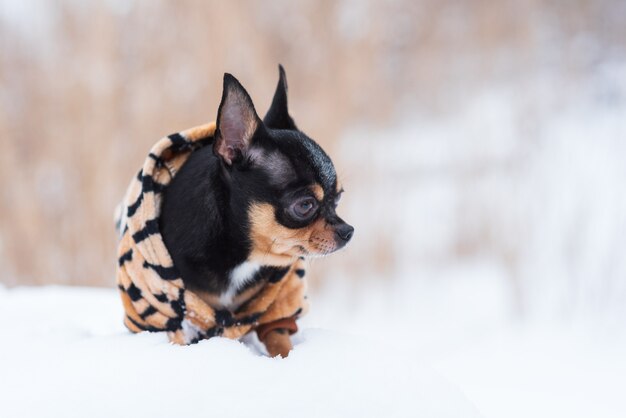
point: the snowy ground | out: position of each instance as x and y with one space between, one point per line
464 327
65 354
372 352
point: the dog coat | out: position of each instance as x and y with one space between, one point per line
152 291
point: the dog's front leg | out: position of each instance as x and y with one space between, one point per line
278 342
276 336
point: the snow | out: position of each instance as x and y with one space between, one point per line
461 323
542 372
66 354
411 348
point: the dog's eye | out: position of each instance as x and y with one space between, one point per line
303 208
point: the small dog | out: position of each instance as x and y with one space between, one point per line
262 196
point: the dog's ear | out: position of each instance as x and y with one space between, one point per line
237 121
278 115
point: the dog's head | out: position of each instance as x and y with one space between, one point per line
279 179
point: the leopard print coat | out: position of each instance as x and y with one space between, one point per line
153 293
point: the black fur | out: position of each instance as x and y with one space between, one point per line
204 218
278 116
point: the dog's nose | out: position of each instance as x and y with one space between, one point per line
344 232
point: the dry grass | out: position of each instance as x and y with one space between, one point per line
85 89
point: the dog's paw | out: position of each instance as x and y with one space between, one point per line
278 343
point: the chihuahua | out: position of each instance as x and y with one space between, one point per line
264 195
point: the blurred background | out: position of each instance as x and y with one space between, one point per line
481 144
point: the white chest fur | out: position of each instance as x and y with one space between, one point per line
240 275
